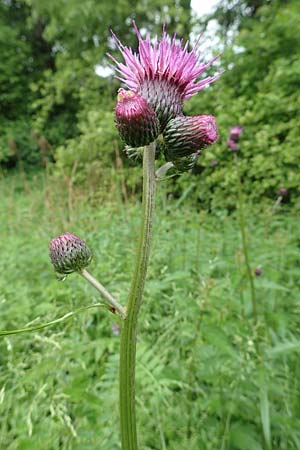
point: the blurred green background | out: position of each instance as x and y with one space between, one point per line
208 377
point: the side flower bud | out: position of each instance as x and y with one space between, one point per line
136 153
186 135
69 253
136 120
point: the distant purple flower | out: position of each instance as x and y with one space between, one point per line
235 133
282 192
164 72
214 163
232 145
115 328
257 272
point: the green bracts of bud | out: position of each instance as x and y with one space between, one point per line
69 253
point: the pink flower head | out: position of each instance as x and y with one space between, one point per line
135 119
232 145
186 135
164 72
235 133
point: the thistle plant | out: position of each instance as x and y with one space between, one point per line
159 77
232 144
150 119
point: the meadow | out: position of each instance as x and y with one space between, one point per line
208 376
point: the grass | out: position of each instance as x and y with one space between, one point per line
208 378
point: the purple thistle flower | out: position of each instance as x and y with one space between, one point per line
235 133
257 272
282 192
232 145
69 253
135 119
164 72
186 135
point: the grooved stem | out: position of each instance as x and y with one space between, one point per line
129 330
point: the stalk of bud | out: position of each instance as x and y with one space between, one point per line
69 254
186 135
136 120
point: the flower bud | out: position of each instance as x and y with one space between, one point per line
135 119
186 135
69 253
134 153
235 133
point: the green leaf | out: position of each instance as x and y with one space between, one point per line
265 415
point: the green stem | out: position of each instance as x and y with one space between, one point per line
104 292
129 330
244 239
53 322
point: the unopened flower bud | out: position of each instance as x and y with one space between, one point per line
186 135
69 253
135 119
235 133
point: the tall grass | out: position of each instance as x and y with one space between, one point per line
201 383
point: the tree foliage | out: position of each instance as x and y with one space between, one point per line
53 102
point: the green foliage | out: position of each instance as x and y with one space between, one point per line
201 382
259 91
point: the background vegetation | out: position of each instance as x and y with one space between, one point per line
209 378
